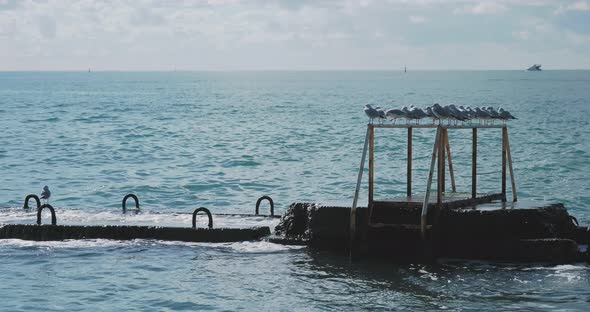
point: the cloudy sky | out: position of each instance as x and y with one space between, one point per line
293 34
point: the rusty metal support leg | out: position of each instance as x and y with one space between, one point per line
440 170
504 164
442 164
512 179
450 161
429 184
474 165
358 186
371 171
409 169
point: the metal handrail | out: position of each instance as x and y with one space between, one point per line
270 201
210 225
33 196
53 218
124 203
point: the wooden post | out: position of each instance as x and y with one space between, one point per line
429 184
356 191
451 172
504 154
371 169
512 180
409 169
443 156
440 168
474 165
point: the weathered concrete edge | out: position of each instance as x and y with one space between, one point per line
126 232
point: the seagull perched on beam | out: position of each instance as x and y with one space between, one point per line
371 113
394 114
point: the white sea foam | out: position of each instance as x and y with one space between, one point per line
261 247
169 219
241 247
70 243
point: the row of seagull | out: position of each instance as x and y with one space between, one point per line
437 112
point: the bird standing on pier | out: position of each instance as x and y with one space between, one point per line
431 114
417 113
451 113
505 115
394 114
481 115
45 194
381 113
441 112
371 113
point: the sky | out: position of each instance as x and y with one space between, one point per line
293 34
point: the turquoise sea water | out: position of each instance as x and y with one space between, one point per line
222 139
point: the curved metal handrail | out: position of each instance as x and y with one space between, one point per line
124 204
210 225
53 219
33 196
270 201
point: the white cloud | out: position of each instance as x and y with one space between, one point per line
522 35
575 6
416 19
271 34
482 8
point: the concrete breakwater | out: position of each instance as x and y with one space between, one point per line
544 233
126 232
62 232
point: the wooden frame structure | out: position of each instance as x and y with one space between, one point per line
440 151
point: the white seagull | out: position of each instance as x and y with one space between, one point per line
394 114
45 194
505 115
371 113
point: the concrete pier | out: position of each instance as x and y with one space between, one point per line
537 234
62 232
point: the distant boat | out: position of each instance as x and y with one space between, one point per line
535 67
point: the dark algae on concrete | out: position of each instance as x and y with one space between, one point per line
539 234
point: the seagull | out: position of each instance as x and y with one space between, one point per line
456 113
470 112
417 114
45 194
394 114
371 113
466 114
407 114
505 115
431 114
492 111
381 113
481 114
441 112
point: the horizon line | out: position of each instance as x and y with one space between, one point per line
270 70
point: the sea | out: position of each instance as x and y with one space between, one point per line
182 140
